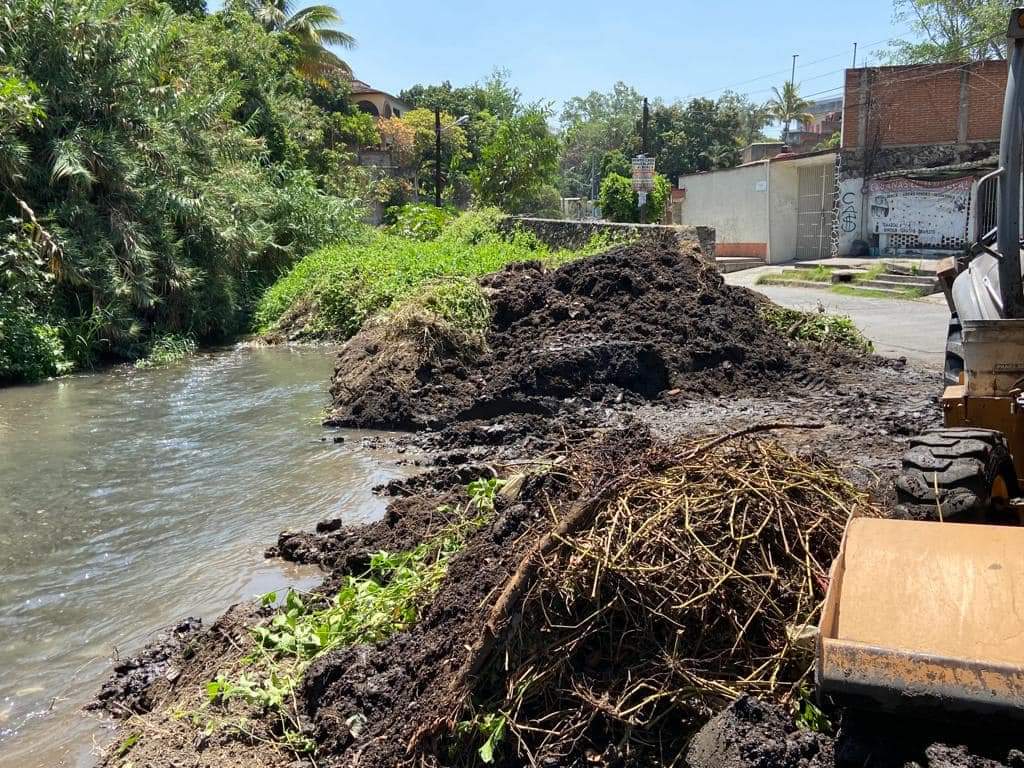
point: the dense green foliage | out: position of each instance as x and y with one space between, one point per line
419 221
698 135
620 203
518 167
344 284
510 154
159 169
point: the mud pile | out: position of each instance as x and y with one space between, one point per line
631 324
523 614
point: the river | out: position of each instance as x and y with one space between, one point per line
130 499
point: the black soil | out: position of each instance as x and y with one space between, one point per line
606 354
628 325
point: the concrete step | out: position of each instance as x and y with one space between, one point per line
879 287
727 264
885 284
913 281
794 283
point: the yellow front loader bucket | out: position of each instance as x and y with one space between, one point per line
925 616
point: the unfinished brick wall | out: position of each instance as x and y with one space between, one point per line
924 104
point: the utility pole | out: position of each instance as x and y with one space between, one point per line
437 157
643 135
854 56
792 90
643 151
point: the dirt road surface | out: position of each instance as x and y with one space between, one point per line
915 330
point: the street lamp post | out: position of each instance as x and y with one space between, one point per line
437 151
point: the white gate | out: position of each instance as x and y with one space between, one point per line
816 189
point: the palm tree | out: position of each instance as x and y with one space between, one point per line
312 29
787 106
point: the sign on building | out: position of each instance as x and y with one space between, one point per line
643 177
933 213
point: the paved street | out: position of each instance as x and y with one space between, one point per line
899 328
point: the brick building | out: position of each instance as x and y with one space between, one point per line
915 140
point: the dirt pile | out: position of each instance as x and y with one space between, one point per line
629 324
561 611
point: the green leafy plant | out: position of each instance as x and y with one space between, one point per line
489 727
817 328
809 715
366 609
419 221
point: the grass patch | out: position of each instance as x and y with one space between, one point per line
818 274
367 609
166 350
846 289
817 328
336 289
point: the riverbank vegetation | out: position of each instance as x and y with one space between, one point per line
333 291
159 169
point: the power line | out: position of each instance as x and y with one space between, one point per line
783 71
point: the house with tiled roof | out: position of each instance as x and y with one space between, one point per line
376 102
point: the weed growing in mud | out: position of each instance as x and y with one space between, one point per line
809 715
817 328
490 727
385 600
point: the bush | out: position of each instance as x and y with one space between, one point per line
30 349
419 221
620 203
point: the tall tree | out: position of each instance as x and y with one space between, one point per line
311 30
951 30
593 125
787 105
519 166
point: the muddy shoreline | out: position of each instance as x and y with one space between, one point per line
593 376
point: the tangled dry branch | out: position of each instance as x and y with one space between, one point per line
681 591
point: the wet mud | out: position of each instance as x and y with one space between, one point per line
588 367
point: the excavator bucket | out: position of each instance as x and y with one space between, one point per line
925 617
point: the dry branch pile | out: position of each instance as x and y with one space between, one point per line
672 596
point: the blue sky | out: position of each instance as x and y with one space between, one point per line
558 49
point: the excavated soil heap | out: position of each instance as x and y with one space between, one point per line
628 324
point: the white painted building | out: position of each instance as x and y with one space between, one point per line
775 210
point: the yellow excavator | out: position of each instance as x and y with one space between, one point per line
927 613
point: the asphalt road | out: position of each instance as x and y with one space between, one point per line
914 329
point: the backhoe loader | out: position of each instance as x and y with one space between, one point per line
926 613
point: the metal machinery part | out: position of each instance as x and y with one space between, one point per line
921 614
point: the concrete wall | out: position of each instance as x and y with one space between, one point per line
734 203
784 187
898 215
561 233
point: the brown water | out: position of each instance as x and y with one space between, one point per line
131 499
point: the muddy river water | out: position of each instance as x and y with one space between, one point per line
131 499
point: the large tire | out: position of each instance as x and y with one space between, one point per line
954 352
955 469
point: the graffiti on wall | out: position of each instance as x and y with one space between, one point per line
931 213
849 215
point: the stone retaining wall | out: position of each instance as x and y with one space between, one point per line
561 233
